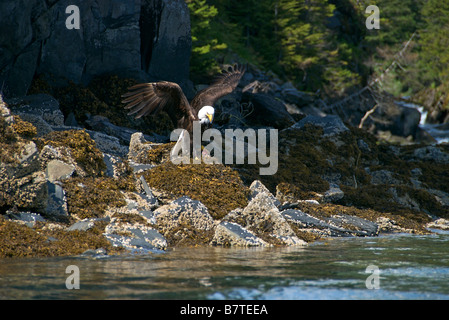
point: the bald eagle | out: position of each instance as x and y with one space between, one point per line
151 98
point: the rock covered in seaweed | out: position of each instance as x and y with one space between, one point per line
232 234
218 187
185 220
262 217
134 236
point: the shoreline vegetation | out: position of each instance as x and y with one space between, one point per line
80 176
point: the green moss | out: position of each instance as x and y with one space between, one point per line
22 241
90 197
82 148
218 187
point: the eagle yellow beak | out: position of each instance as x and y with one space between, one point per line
210 117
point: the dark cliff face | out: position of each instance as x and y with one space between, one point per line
147 39
166 39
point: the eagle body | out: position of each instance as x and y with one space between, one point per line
151 98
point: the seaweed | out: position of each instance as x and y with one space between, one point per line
22 241
82 148
90 197
218 187
24 128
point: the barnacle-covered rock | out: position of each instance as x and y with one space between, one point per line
185 221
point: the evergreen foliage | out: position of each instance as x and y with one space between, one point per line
205 46
324 44
435 41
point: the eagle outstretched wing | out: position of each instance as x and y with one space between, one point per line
223 85
151 98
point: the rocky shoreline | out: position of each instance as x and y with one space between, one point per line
69 191
77 175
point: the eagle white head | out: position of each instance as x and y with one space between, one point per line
206 115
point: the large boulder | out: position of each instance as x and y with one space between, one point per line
233 234
262 217
184 219
135 236
268 111
18 52
399 120
108 40
332 125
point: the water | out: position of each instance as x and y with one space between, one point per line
411 267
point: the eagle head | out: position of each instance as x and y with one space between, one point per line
206 115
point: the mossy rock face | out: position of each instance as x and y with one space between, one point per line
395 199
82 148
90 197
110 88
142 151
218 187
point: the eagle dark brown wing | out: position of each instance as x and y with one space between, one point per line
222 86
151 98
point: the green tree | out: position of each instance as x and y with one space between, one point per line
434 41
205 45
399 21
252 29
312 55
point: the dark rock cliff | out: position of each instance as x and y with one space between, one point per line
147 39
